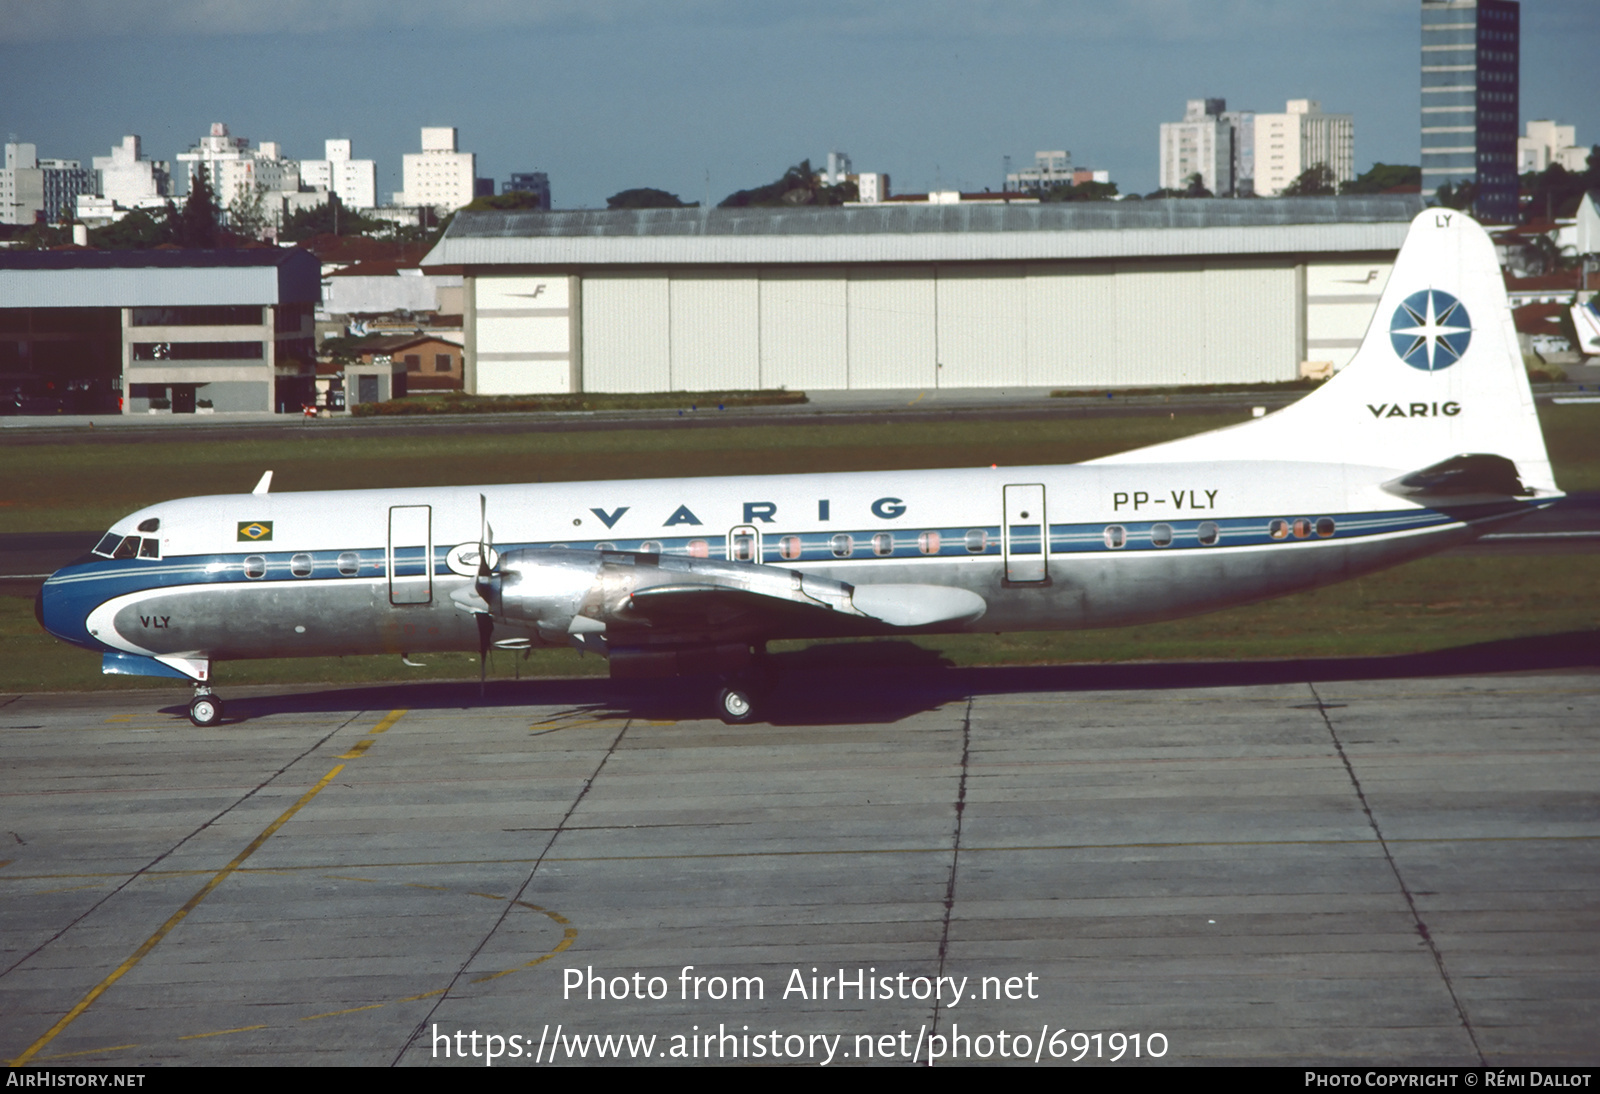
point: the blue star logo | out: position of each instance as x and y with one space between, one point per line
1430 330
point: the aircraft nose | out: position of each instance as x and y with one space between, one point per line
38 608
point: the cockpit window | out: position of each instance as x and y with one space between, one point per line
149 548
153 524
128 548
108 544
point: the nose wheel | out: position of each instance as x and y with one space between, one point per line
205 709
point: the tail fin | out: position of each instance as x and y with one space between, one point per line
1439 374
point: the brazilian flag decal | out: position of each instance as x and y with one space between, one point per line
253 531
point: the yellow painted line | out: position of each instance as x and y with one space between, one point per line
68 889
389 720
89 1052
424 995
219 1033
567 939
419 885
336 1013
347 877
177 917
486 896
357 749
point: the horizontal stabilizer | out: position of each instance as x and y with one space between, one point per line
1467 477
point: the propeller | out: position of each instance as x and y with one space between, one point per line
483 586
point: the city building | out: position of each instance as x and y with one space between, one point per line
919 295
167 331
130 180
355 181
1242 129
439 176
1546 143
1049 169
1470 56
21 185
234 168
536 183
62 183
1302 137
1201 144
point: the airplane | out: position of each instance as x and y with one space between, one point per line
1427 439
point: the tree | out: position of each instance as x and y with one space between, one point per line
1556 192
1383 176
646 198
1084 191
798 186
138 231
247 214
508 202
197 225
330 218
1459 196
1315 181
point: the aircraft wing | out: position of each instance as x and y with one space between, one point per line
573 592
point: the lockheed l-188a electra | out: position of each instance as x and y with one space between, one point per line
1426 439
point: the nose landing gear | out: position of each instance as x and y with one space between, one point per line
205 709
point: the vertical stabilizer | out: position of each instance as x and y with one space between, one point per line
1439 374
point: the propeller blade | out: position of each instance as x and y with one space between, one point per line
485 630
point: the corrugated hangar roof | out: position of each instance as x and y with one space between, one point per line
903 232
84 279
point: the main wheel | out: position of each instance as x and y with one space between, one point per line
205 710
736 705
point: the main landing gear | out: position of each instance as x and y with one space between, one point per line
742 698
205 709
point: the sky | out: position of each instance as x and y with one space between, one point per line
704 97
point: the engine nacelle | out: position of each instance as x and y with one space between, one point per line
550 589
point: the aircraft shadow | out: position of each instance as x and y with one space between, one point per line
871 683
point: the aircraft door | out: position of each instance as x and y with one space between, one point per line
744 544
410 554
1024 536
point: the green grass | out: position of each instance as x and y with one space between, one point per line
1427 605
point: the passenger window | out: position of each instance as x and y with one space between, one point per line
744 547
1161 535
1278 529
300 565
789 547
883 544
1116 536
128 548
928 543
1302 528
977 541
843 546
1325 527
699 548
650 547
603 545
149 548
349 563
1208 533
255 566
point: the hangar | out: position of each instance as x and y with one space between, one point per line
919 296
92 332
